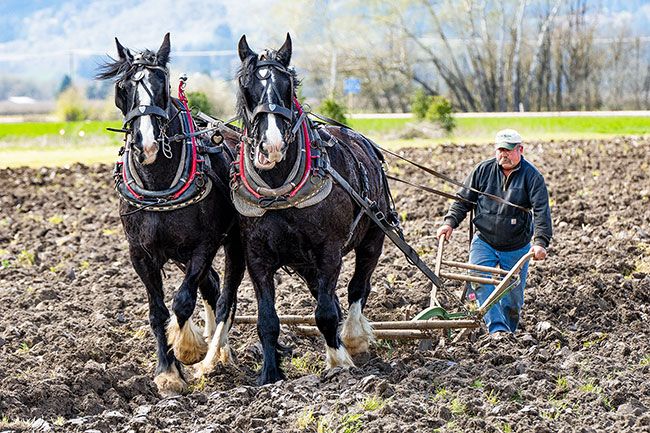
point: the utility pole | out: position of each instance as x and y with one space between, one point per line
71 66
333 74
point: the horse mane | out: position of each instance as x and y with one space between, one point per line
117 68
245 73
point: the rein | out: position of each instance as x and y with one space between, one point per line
430 171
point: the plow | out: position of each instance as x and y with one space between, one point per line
435 317
468 314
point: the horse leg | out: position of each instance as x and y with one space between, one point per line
328 310
210 292
168 377
219 349
268 322
356 332
183 335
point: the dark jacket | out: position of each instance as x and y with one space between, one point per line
505 227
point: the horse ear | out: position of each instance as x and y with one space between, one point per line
163 51
284 53
123 52
244 50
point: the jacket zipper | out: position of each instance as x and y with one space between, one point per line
505 184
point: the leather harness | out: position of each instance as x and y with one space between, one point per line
192 182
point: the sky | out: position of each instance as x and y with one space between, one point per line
44 39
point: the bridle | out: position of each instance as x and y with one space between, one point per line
136 73
287 114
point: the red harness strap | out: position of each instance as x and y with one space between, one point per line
305 133
306 174
124 179
183 99
242 170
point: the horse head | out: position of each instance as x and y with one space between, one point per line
265 101
142 94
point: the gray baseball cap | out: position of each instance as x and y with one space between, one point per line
507 139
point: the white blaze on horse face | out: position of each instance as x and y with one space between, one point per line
149 143
273 141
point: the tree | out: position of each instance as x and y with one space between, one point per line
66 82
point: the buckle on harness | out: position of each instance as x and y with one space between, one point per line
265 202
200 180
378 213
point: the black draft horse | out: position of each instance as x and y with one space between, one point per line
312 240
189 232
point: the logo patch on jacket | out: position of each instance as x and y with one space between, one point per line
513 221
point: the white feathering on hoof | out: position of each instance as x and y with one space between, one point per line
188 343
210 321
218 352
338 357
356 333
170 382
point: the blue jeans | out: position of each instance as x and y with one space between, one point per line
504 315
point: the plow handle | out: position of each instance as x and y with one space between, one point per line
441 243
502 288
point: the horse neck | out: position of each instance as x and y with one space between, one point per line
161 173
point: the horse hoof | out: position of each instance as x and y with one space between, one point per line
270 377
201 370
187 342
356 345
170 383
338 357
356 333
224 355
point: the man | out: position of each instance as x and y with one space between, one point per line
504 232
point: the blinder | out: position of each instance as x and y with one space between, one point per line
270 108
273 109
145 110
140 64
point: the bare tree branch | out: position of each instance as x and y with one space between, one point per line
543 33
516 60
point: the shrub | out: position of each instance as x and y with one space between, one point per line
420 103
333 109
441 111
71 105
220 93
200 101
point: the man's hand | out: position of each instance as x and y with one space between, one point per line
446 230
540 252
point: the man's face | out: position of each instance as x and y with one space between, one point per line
508 159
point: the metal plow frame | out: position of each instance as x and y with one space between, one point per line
434 317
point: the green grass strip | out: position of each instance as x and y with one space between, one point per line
68 129
38 144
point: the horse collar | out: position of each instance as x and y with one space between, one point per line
190 185
306 184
